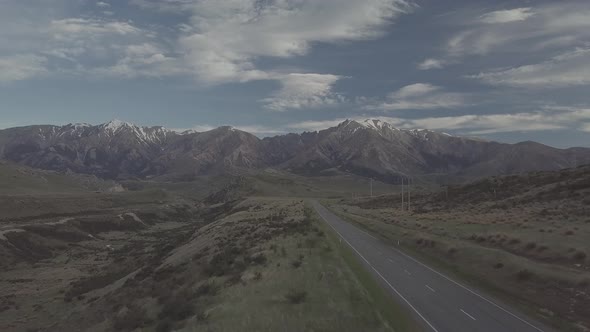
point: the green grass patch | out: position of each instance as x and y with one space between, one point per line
321 292
395 314
480 260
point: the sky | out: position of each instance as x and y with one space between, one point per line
502 70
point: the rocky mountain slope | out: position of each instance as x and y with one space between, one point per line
369 148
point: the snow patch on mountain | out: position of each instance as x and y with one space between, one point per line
115 125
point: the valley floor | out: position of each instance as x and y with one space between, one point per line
161 263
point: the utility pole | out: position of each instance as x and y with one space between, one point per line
409 194
402 193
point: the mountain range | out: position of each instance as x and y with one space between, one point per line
119 150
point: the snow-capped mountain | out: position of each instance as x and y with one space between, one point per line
370 147
108 149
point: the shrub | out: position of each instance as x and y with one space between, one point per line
177 307
498 265
131 319
258 259
542 248
91 283
580 255
584 282
165 325
208 288
296 296
296 264
524 275
514 241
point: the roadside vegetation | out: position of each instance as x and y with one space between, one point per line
523 238
155 259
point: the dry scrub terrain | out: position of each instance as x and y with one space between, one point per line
526 238
152 260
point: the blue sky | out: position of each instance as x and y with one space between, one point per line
503 70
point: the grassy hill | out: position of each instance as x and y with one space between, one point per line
15 179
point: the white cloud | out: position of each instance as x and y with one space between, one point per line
74 28
414 90
195 128
505 16
220 42
431 64
83 47
548 28
312 125
571 68
260 130
489 123
304 91
252 129
174 6
229 36
547 118
21 67
223 40
520 30
420 96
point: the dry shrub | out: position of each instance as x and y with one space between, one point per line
131 319
524 275
296 296
579 255
514 241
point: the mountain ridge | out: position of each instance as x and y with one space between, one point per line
372 147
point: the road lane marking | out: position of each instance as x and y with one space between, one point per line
468 315
469 290
378 273
440 274
368 234
391 261
430 288
408 272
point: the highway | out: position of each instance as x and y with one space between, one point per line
439 303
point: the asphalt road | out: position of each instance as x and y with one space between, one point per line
438 302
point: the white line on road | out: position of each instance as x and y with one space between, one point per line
368 234
391 261
468 315
430 288
408 272
380 275
469 290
